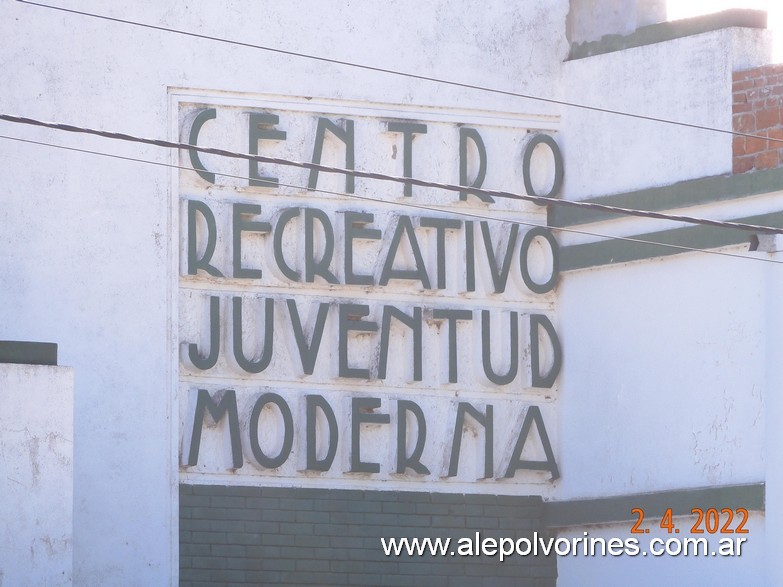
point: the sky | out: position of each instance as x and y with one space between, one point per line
676 9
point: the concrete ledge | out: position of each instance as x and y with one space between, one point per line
666 31
661 244
605 510
682 194
28 353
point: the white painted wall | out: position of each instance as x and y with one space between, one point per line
685 80
98 269
664 380
36 475
665 387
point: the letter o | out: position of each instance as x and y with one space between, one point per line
673 547
288 431
565 543
549 284
527 156
526 550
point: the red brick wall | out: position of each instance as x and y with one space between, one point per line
758 110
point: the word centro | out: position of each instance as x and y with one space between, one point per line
270 436
329 135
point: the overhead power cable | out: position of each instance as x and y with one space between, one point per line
451 211
421 77
541 200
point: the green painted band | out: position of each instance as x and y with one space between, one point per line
613 251
605 510
679 195
28 353
667 31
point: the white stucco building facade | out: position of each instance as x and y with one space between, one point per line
274 366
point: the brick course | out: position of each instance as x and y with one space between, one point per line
757 109
285 536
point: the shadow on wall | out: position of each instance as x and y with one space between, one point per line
589 20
